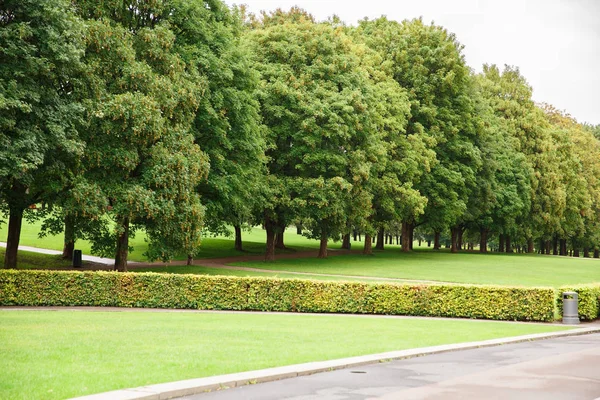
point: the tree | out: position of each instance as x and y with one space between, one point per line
405 156
510 98
143 99
227 123
40 52
317 101
426 60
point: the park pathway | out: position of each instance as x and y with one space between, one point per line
99 263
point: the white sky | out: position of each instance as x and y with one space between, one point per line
555 43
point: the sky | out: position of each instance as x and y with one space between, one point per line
555 43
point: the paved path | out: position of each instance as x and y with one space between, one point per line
562 368
100 263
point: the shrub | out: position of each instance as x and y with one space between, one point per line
71 288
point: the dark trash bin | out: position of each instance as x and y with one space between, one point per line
77 259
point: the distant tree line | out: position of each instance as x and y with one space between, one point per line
175 117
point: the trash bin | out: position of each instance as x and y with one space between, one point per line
570 310
77 262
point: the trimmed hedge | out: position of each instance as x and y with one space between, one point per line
589 300
72 288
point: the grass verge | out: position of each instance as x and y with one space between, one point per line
492 269
56 355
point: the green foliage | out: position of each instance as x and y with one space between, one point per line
324 131
40 64
143 97
269 294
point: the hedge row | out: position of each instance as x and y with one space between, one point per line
69 288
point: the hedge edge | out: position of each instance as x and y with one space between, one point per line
154 290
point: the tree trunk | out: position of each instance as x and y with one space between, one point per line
190 259
436 240
15 221
411 235
501 243
454 240
420 240
380 235
122 247
508 245
405 237
346 242
563 247
69 239
586 252
596 253
279 243
238 238
555 246
429 243
355 234
483 237
299 229
548 247
368 249
270 250
576 252
459 239
530 245
323 246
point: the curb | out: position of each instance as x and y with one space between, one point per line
195 386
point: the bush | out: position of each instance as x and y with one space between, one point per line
70 288
589 300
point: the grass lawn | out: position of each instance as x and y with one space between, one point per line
254 242
56 355
498 269
28 260
199 270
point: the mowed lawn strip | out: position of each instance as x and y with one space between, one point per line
494 269
253 242
56 355
200 270
30 260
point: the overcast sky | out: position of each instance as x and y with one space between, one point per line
555 43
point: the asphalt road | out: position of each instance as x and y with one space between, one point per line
563 368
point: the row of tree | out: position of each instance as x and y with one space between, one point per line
182 116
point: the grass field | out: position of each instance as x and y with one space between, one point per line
55 355
200 270
492 268
28 260
254 242
497 269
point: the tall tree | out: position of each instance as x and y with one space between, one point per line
427 61
227 124
143 100
40 52
317 103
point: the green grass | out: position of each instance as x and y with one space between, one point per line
56 355
212 247
200 270
28 260
497 269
